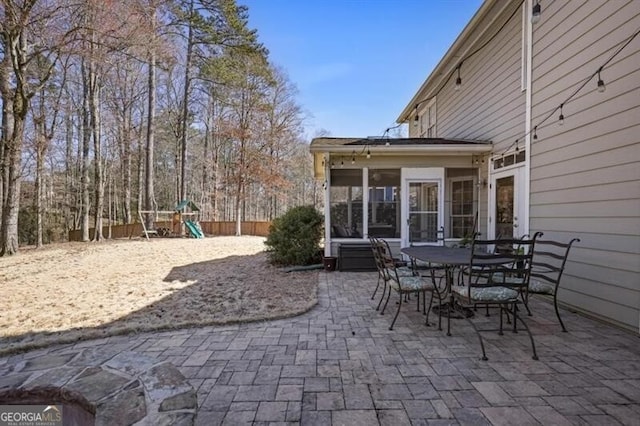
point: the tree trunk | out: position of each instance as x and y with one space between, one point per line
94 96
40 151
86 138
149 148
185 109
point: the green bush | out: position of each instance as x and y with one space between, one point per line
294 238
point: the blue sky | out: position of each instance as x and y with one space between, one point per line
357 63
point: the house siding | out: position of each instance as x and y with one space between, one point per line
585 175
485 107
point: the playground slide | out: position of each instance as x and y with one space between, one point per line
194 229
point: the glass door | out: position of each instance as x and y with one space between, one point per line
423 212
507 205
504 213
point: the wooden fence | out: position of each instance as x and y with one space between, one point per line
209 228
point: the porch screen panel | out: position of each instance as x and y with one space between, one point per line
345 197
384 203
462 214
423 212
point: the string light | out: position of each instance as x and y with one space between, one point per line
561 117
416 119
601 86
353 157
517 149
341 162
536 11
368 153
489 40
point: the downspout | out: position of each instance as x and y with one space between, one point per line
327 206
527 122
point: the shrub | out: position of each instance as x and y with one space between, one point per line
294 238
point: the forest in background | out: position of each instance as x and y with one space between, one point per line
110 107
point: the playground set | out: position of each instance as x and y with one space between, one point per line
184 217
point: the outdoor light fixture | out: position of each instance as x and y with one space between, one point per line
601 86
458 80
368 153
535 133
561 117
536 10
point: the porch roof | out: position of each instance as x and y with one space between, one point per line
399 145
320 147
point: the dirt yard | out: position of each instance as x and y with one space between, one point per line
78 291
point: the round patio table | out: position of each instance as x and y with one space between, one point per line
450 258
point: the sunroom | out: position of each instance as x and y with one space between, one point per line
409 191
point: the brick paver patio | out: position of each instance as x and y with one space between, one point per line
339 364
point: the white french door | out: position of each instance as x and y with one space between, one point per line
423 206
507 204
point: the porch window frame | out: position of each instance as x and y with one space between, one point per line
475 201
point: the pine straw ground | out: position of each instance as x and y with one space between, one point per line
78 291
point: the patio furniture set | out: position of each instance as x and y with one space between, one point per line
500 273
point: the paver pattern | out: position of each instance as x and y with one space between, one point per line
339 364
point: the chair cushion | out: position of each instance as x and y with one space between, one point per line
404 271
411 284
541 287
487 294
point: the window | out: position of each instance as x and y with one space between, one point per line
509 159
345 198
384 203
428 120
462 214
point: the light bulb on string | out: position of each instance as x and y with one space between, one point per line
353 157
561 117
458 80
536 11
517 148
535 132
601 85
368 154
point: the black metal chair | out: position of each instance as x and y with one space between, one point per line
404 281
495 279
379 247
549 260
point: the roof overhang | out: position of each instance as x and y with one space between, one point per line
323 148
